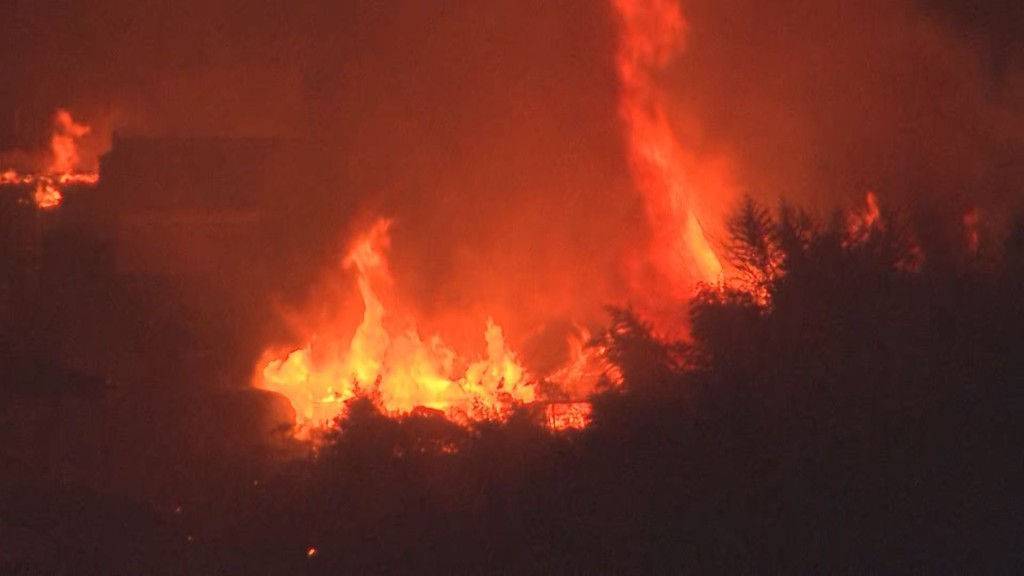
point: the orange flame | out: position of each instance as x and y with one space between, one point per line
401 370
63 169
386 356
863 222
64 142
47 196
586 369
666 174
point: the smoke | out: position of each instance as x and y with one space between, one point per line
819 102
489 132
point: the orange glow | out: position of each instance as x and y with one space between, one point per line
63 168
386 357
972 221
567 415
586 369
863 222
11 178
47 196
670 178
64 142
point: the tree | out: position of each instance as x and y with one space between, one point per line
753 247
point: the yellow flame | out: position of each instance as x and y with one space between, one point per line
47 196
404 371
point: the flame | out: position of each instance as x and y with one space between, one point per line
864 224
64 142
666 174
396 367
385 356
47 196
64 168
866 220
587 367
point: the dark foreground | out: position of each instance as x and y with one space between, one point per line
852 409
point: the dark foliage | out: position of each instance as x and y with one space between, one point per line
645 361
755 246
849 407
845 408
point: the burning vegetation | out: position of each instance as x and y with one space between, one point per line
571 328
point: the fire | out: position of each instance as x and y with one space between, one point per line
64 142
47 196
386 358
666 174
64 166
866 220
587 367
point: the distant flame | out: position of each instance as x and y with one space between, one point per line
64 165
587 367
47 196
64 142
866 220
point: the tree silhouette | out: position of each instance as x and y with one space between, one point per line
846 406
